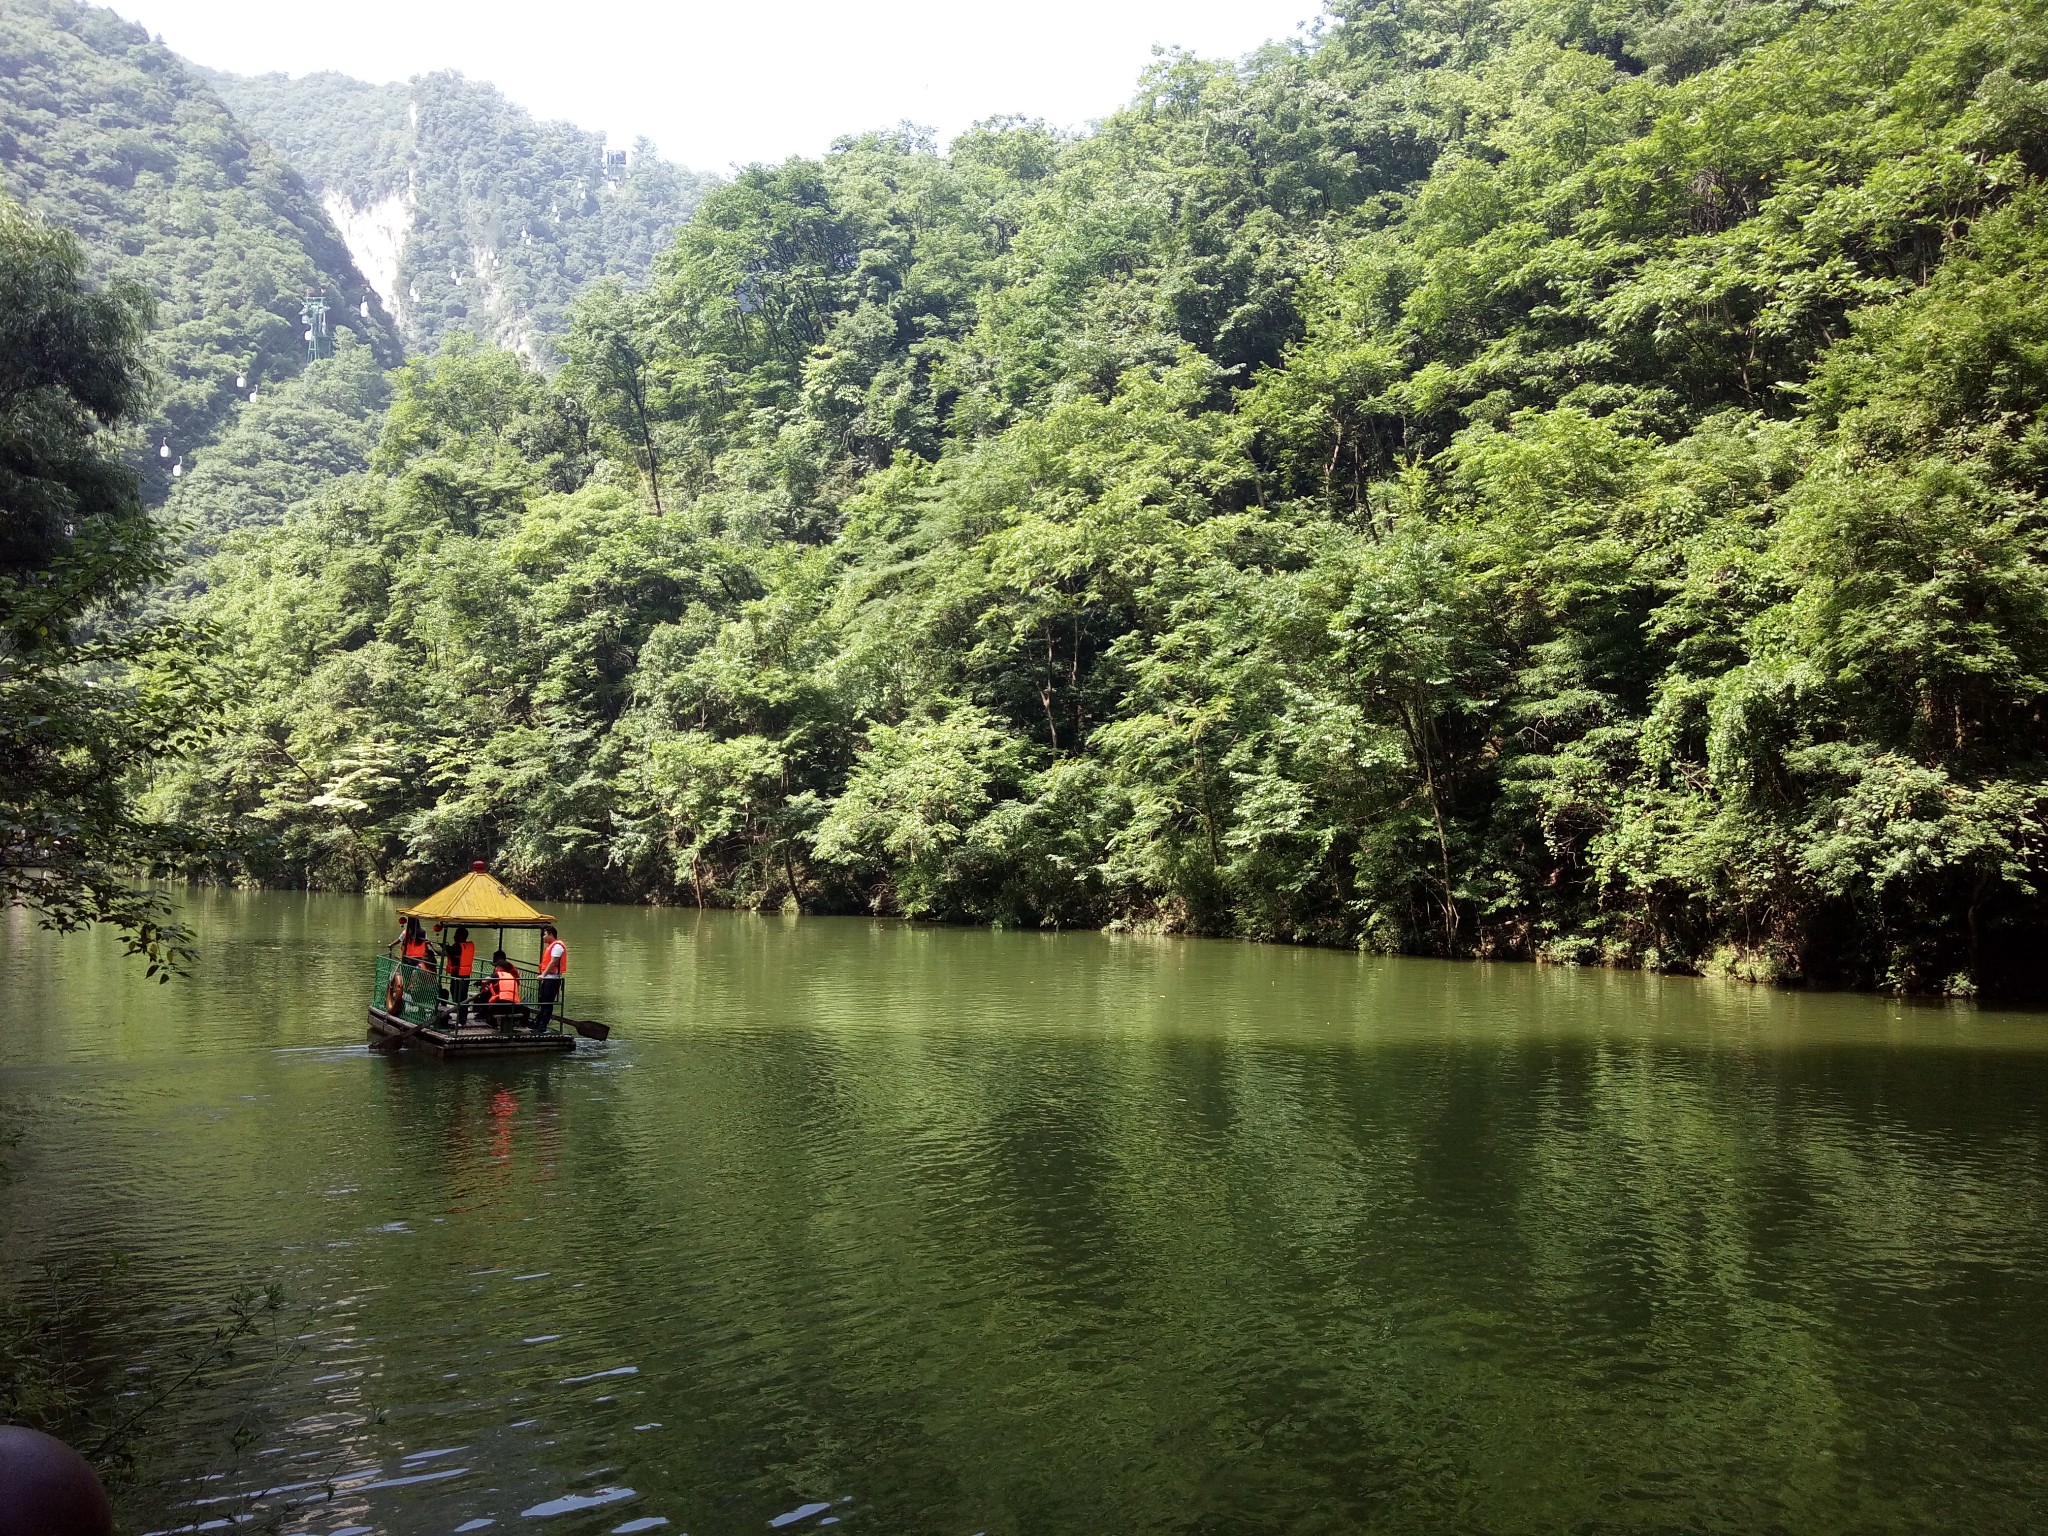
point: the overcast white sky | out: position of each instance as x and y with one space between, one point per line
719 82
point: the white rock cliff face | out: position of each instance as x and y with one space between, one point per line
375 235
511 327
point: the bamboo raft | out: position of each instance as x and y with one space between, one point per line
416 1005
390 1032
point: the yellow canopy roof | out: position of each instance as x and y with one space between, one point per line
477 898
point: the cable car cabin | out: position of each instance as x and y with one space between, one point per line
473 972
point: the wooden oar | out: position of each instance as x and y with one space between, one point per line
590 1029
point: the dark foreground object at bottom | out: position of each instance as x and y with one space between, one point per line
389 1032
48 1489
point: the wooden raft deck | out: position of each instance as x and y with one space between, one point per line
475 1040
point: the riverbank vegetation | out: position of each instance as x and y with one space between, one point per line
1529 481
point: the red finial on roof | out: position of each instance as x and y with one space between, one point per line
478 866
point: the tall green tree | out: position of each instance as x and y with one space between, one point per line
86 705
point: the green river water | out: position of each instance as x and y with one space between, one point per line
915 1230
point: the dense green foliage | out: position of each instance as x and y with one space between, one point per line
495 220
1497 480
114 138
281 448
84 706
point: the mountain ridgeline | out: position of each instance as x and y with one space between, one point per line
1488 480
466 213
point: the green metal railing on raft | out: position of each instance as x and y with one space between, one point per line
425 997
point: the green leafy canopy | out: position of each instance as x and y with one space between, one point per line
1544 481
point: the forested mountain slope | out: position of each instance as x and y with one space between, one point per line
110 135
279 449
468 213
1497 480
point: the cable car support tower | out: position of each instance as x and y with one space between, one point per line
319 338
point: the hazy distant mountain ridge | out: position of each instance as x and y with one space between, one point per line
466 211
112 136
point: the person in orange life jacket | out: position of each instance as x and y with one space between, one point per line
459 964
554 965
501 992
413 948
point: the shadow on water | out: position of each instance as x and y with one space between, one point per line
942 1230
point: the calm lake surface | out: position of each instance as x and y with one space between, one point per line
913 1230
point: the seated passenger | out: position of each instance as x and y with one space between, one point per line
500 995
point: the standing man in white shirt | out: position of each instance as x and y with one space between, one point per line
554 965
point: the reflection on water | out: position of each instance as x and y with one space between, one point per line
917 1230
